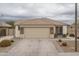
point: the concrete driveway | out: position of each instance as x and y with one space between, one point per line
34 47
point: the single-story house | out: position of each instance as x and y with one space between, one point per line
39 28
5 29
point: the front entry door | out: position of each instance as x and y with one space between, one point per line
59 30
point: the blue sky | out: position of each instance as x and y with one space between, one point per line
31 10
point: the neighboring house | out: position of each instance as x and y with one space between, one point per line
5 29
71 30
39 28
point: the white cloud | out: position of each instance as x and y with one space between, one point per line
56 11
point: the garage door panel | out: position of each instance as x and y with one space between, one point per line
36 32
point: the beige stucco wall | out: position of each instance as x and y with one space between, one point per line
7 31
51 36
65 30
17 32
71 30
54 31
44 28
11 31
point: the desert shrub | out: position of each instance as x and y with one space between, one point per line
64 44
77 37
59 40
67 33
64 35
12 40
5 43
72 35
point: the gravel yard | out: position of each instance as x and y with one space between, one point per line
6 49
70 46
38 47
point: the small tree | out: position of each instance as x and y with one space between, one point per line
64 44
59 40
11 23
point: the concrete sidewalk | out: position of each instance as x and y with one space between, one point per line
68 54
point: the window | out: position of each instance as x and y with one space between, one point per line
51 30
21 30
3 32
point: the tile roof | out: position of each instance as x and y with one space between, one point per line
38 21
3 24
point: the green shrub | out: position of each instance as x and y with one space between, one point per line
77 37
59 40
64 35
12 40
64 44
72 35
5 43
